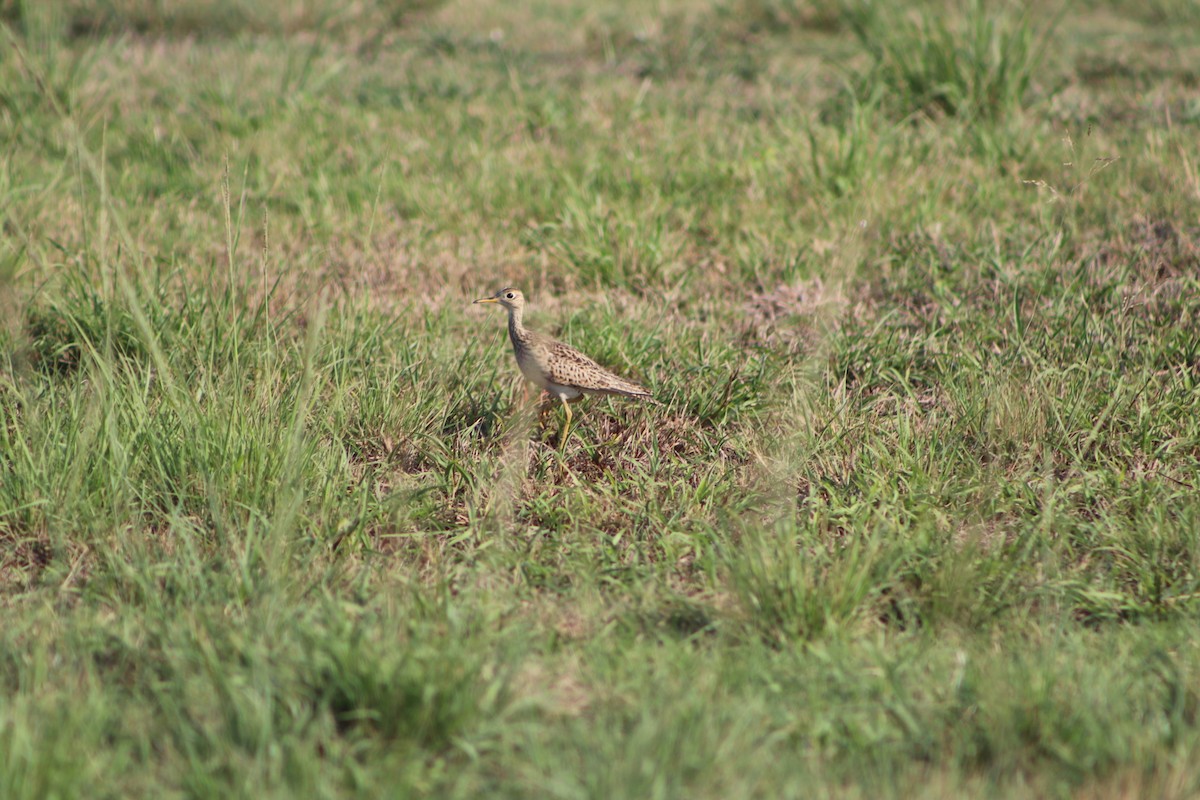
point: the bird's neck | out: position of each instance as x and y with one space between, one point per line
516 330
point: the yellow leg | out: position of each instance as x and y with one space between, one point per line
567 424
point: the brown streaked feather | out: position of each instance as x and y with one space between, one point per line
569 367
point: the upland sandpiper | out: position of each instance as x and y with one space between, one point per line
561 370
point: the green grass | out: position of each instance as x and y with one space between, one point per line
915 284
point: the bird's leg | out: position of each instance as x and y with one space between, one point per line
567 424
543 406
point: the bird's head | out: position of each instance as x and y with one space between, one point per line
508 297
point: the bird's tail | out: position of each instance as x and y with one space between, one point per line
631 389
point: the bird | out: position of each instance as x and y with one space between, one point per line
559 369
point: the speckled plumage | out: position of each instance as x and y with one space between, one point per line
558 368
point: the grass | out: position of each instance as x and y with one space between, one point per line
915 286
982 65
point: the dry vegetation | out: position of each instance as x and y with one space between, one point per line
916 285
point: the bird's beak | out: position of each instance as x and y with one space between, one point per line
485 300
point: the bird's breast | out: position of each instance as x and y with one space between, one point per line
531 369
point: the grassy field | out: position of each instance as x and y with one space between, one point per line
915 283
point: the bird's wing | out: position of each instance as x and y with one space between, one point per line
569 367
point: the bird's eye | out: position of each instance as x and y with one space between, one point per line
509 295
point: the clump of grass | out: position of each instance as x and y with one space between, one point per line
404 691
610 246
843 155
794 589
982 63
